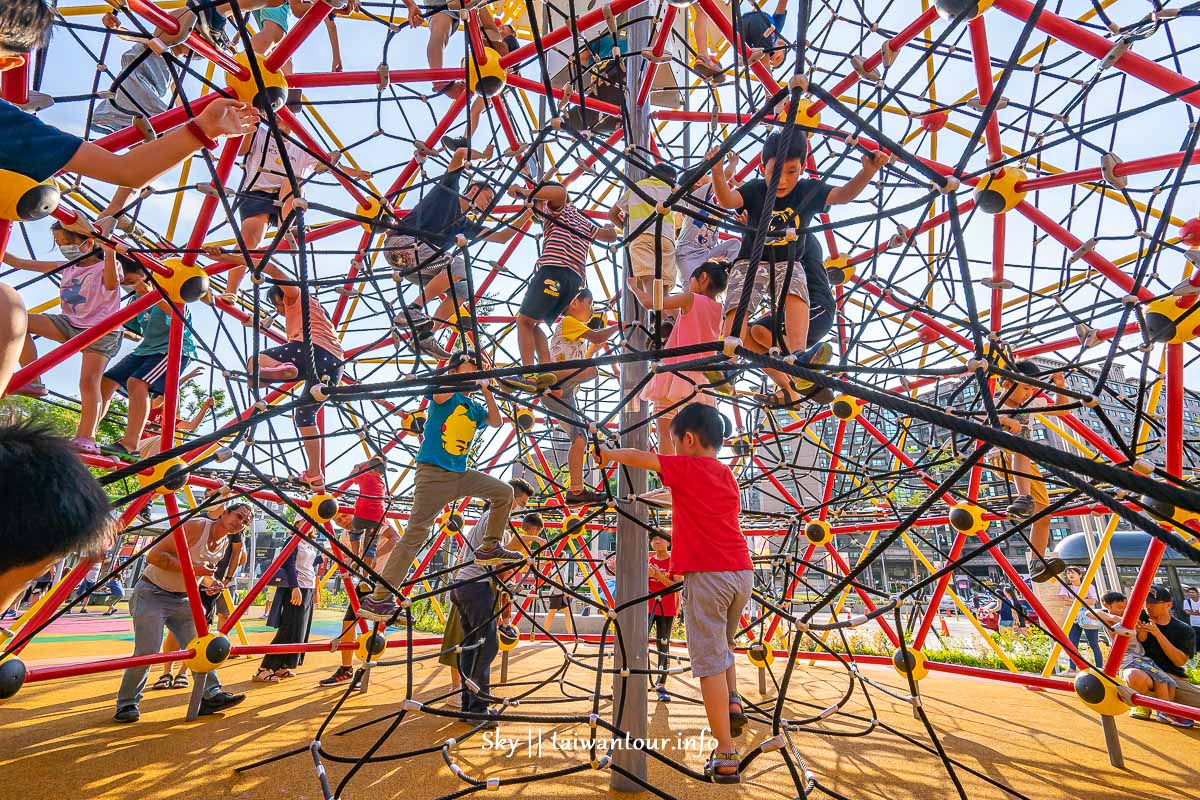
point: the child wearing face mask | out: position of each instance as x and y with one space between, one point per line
89 291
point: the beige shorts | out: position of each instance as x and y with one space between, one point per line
641 259
712 608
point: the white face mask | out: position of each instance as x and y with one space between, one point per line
71 251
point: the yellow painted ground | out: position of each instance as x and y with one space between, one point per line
57 741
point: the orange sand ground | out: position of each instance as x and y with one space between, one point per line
57 740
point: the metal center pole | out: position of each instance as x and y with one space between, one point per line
629 692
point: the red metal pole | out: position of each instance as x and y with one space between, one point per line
195 605
939 590
1174 464
161 19
725 26
983 79
894 44
866 598
1098 47
1073 243
657 49
563 32
57 597
537 88
208 206
292 40
301 133
1137 167
260 584
14 85
168 119
314 80
1101 335
73 345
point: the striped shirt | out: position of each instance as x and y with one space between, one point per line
568 235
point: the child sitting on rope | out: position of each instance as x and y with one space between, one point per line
1031 489
766 332
294 361
559 275
788 214
267 193
709 550
759 30
421 252
656 244
442 477
89 292
699 322
571 342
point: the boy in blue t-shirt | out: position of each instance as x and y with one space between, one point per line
442 477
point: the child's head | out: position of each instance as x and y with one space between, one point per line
479 196
134 274
275 298
665 173
777 56
55 506
698 430
24 27
532 523
581 307
463 362
710 278
522 491
376 464
792 158
1018 392
1114 602
72 244
659 542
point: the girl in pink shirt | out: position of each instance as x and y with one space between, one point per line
699 322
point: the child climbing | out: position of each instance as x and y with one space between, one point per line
788 215
571 342
442 477
1027 476
762 33
292 361
699 322
710 551
422 250
370 508
267 195
558 277
89 292
656 244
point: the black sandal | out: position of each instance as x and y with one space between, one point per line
777 399
719 761
737 719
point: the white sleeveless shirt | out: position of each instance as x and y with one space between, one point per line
200 552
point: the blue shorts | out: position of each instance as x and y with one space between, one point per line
150 369
279 15
258 204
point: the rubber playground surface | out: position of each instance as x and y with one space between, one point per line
57 739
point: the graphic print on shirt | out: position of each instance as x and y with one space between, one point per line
458 431
71 294
781 220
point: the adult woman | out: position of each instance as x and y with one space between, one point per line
1085 623
294 601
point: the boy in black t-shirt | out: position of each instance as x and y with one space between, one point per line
431 228
797 200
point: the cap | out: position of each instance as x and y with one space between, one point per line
1158 594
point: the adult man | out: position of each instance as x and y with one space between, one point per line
160 600
1169 643
1191 607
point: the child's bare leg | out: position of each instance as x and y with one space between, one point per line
253 230
1164 691
439 32
575 458
311 437
455 678
139 411
795 323
13 323
90 376
715 691
700 31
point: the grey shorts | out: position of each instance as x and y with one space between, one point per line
689 257
712 610
107 345
406 253
1146 665
574 426
797 286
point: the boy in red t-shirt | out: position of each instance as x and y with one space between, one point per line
369 509
708 548
662 608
